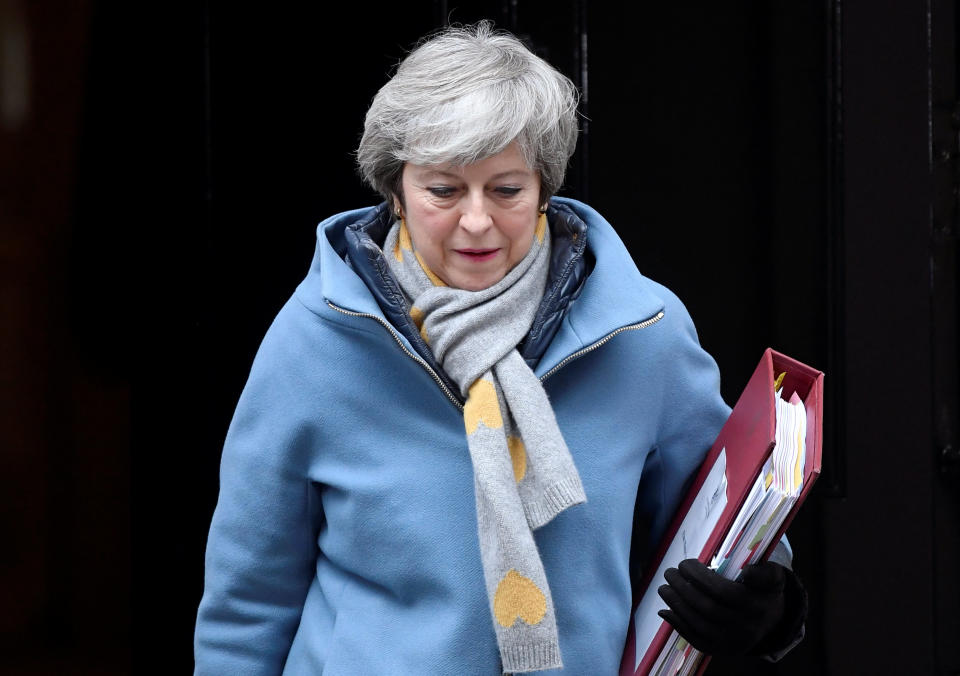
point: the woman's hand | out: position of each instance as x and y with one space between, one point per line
718 616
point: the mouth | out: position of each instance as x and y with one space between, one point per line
477 255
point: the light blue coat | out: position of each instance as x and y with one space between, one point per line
344 541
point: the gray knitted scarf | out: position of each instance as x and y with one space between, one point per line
523 472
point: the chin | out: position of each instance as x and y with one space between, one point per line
476 284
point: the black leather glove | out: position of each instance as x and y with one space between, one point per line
753 615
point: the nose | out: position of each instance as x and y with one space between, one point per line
475 217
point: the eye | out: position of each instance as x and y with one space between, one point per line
441 190
507 190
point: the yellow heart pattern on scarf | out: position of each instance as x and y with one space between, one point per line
417 315
482 405
541 228
436 281
517 596
403 242
518 456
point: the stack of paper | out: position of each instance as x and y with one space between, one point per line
773 493
770 500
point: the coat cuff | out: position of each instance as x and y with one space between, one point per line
792 627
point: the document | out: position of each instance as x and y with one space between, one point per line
691 537
772 496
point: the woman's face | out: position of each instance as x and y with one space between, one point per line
472 224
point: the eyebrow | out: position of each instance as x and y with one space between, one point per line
429 173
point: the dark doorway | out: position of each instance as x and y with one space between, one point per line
789 169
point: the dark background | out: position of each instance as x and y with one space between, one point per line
789 169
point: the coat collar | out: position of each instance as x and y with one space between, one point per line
614 295
348 271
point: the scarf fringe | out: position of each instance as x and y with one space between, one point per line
526 657
565 493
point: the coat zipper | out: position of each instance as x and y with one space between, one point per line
417 358
593 346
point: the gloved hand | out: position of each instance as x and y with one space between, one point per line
718 616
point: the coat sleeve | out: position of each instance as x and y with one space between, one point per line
690 417
261 550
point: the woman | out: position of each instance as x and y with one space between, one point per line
435 464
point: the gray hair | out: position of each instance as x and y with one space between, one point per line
465 94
